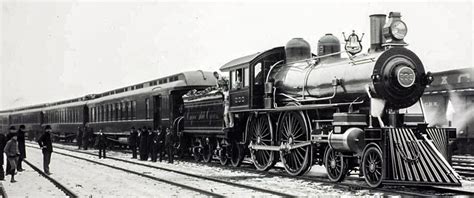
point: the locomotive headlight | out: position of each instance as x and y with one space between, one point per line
398 30
405 76
395 29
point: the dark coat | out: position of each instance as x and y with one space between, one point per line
80 133
155 146
143 141
45 142
149 140
102 141
169 139
161 138
21 143
3 142
133 139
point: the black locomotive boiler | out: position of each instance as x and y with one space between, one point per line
347 114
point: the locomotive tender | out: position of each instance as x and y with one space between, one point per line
290 106
301 109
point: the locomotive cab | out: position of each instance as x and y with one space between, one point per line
248 76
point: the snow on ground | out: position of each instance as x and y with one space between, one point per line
30 184
91 180
207 185
281 184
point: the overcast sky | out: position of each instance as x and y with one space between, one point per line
59 50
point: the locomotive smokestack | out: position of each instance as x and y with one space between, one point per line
377 21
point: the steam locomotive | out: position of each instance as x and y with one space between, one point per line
357 113
301 109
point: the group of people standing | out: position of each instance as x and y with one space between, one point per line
83 137
150 143
83 140
13 145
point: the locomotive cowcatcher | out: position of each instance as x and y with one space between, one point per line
358 113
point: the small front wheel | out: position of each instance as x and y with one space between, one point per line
336 165
372 167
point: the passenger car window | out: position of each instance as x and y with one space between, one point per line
147 108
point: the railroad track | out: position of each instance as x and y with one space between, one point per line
204 192
353 183
464 165
60 186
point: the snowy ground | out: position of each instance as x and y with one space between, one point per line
92 180
281 184
30 184
88 179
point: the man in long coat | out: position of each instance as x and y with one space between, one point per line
21 147
80 132
143 144
133 142
47 147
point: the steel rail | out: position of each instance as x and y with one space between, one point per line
2 191
61 187
193 175
307 178
204 192
347 183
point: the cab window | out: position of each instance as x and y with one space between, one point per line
237 79
258 75
246 77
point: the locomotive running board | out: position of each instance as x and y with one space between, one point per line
415 160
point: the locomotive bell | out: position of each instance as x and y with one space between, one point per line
297 49
329 44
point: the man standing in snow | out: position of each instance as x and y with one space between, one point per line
11 133
132 142
80 132
47 147
169 145
102 144
21 147
155 145
143 144
12 152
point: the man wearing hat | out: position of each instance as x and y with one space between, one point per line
47 147
21 146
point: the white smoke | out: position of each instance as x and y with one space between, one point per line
460 111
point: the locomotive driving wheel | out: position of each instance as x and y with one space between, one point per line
293 130
197 154
260 131
372 167
207 150
236 152
336 165
223 154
